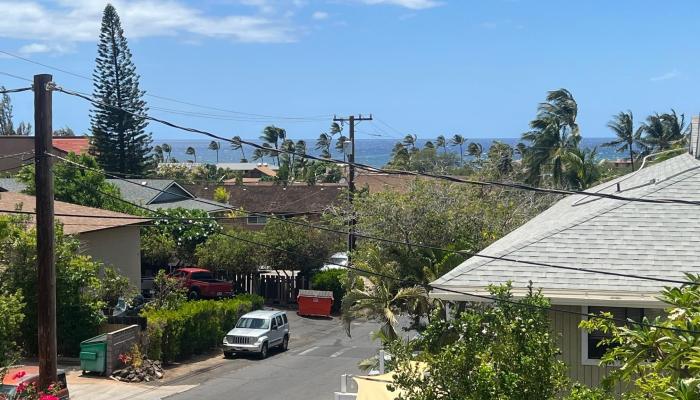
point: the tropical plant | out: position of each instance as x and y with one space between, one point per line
272 136
65 131
191 152
494 351
582 168
554 133
410 141
215 146
119 141
221 195
225 254
459 140
323 143
627 138
441 142
660 362
259 154
6 124
475 149
11 308
340 145
662 131
237 144
158 154
168 293
167 149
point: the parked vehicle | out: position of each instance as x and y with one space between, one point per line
257 332
200 284
337 261
28 375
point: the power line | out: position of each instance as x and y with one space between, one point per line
16 76
390 241
268 117
403 281
370 168
6 91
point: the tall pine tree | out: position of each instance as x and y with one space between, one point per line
120 142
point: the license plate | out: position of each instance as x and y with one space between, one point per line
218 293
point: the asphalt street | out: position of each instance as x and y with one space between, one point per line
319 353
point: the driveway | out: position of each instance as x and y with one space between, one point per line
319 352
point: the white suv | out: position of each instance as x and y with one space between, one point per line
257 332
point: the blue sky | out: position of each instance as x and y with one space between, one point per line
427 67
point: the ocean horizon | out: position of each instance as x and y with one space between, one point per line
374 152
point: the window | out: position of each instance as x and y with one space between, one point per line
252 323
279 321
256 220
592 352
284 317
274 323
202 276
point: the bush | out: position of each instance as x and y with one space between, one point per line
223 253
195 327
11 311
332 280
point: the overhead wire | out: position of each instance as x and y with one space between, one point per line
7 91
448 178
415 283
385 240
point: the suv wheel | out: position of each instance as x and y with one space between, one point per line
193 294
285 343
263 351
228 355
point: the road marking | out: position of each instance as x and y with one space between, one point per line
307 351
338 353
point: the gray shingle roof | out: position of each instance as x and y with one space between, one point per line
11 185
149 193
656 240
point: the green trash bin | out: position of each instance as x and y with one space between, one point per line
93 354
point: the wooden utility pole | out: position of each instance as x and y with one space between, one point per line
45 245
351 120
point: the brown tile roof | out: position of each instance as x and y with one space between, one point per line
265 197
72 225
266 170
72 144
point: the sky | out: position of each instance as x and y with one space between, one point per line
425 67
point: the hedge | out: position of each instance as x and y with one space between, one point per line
332 280
195 327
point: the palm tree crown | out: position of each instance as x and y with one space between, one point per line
627 138
192 152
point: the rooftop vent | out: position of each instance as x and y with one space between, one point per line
695 136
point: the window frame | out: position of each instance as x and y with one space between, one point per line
585 360
257 219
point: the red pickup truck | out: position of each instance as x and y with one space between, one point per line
201 284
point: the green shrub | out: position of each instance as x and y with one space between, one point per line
194 327
332 280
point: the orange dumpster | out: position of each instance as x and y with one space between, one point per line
315 303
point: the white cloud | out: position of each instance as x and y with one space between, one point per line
35 48
669 75
319 15
412 4
71 21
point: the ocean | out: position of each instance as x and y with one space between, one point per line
374 152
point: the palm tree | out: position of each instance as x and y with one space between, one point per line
441 142
272 135
158 151
582 169
215 146
340 145
323 143
167 149
237 144
410 141
554 133
400 156
259 154
627 138
192 152
475 150
429 145
459 140
383 301
661 132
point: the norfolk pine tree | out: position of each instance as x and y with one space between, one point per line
120 142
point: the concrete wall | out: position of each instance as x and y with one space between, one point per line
119 342
118 247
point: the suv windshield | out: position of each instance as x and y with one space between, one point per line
253 323
202 276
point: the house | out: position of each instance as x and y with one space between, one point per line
113 238
251 172
644 239
272 199
164 193
23 148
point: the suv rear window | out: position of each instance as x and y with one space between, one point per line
284 317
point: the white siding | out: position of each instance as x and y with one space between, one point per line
118 247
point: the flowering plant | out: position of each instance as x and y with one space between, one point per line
29 391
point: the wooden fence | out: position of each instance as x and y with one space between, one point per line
274 289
